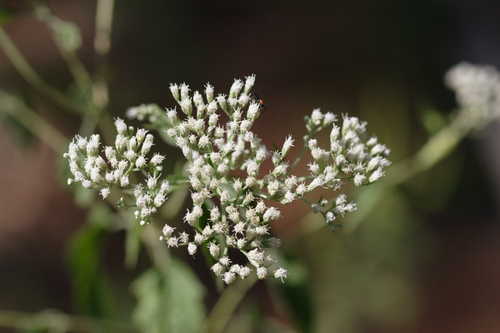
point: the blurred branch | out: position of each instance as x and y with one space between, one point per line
150 237
59 322
226 305
37 125
100 87
77 69
157 250
435 150
29 74
61 32
104 21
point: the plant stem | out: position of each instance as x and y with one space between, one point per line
100 88
59 322
75 66
157 250
435 150
150 235
104 21
38 127
29 74
77 69
226 305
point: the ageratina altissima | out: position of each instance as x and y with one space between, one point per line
232 195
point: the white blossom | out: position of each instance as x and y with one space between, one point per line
217 268
120 125
281 274
227 172
192 248
105 192
229 277
157 159
261 272
287 145
477 89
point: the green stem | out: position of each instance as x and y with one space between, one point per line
55 321
226 305
150 237
104 21
434 151
38 127
158 251
29 74
75 66
77 70
100 87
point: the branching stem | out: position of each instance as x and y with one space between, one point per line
227 304
28 73
59 322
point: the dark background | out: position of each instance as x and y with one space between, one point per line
427 260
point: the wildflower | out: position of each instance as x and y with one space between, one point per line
192 248
261 272
224 171
217 268
173 242
120 125
105 192
157 159
225 261
376 175
287 145
229 277
244 272
214 250
281 274
477 89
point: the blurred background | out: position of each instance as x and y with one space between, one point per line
426 259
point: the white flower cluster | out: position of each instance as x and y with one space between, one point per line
351 156
224 170
103 168
477 89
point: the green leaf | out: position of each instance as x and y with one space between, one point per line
132 245
84 262
297 293
171 303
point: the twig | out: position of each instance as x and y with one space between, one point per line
75 66
104 21
59 322
100 88
77 70
29 74
437 148
157 250
38 126
227 304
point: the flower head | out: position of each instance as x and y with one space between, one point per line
226 172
